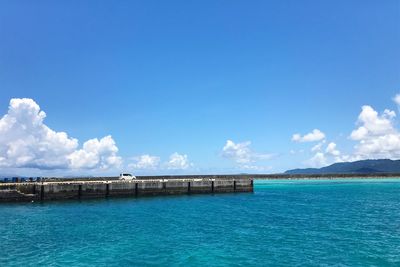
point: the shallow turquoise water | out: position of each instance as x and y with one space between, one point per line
296 222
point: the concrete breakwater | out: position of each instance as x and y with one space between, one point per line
58 190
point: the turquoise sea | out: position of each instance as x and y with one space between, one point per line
283 223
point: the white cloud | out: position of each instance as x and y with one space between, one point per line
325 157
255 168
389 114
318 146
145 162
396 99
178 162
241 152
242 155
318 160
315 135
96 154
331 150
26 142
376 135
373 124
359 133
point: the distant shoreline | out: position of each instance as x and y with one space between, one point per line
327 176
233 176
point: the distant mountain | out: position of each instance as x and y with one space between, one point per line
362 167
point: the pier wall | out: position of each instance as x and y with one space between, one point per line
14 192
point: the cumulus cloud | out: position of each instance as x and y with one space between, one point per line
26 142
95 154
178 162
318 160
372 124
396 99
323 157
376 135
331 150
315 135
318 146
241 152
145 162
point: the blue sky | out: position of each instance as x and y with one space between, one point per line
180 78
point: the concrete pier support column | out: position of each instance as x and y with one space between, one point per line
41 192
189 189
136 189
79 191
107 190
212 186
234 186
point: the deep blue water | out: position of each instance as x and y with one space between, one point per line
343 223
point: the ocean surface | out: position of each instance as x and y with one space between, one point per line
283 223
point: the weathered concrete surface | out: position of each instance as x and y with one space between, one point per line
243 185
15 196
53 191
221 186
198 186
18 192
93 190
58 190
122 189
176 187
150 188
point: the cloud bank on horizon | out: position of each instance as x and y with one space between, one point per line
27 142
376 137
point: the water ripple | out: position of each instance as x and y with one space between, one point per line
315 223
